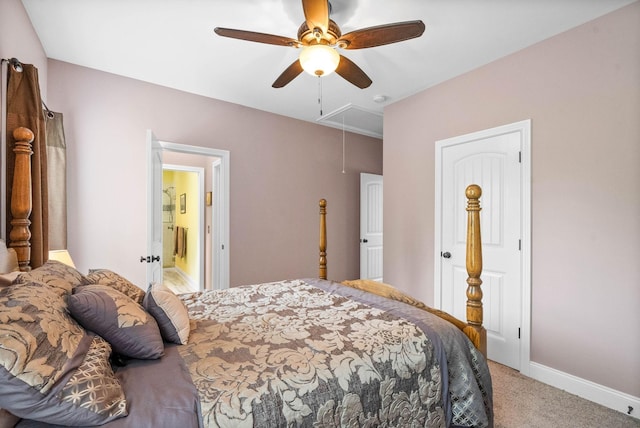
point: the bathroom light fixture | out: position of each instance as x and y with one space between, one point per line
319 60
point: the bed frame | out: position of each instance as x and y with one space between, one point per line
473 327
20 235
21 202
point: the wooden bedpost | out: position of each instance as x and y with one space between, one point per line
474 266
20 235
323 239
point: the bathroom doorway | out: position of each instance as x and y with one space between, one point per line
183 240
214 234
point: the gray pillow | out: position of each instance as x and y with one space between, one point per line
169 312
125 324
51 369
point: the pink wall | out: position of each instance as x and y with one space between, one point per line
278 174
19 40
581 89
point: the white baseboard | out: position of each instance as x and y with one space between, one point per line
591 391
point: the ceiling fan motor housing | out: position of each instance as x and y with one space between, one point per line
308 36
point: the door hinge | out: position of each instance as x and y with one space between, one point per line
223 246
519 157
519 244
518 332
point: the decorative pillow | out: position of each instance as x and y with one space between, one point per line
107 277
169 312
125 324
51 369
61 277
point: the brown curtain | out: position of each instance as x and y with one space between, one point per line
24 108
57 180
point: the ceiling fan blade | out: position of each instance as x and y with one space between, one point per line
352 73
256 37
381 35
288 75
316 13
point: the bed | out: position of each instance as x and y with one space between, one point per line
88 349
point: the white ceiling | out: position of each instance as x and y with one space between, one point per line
172 43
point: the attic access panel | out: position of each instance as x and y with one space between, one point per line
356 119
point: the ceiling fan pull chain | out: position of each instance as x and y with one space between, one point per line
320 94
343 140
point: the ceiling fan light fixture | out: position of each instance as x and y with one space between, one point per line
319 60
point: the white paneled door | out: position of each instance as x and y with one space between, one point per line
371 226
491 160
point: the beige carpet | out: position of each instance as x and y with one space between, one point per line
521 402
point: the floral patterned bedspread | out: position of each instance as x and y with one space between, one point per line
312 353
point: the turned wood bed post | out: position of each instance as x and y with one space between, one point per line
322 274
474 265
20 234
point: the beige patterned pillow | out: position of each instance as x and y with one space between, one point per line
112 279
170 313
50 368
62 278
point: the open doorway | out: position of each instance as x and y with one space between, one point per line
213 232
184 245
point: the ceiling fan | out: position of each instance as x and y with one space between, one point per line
318 36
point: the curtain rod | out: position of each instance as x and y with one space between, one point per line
17 65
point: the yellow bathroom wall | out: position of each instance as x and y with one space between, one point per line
168 219
187 184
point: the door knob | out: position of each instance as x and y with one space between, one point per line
364 240
446 255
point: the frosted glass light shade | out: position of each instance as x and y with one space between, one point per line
62 256
319 60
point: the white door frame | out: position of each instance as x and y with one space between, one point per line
523 127
220 212
201 229
220 223
154 209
